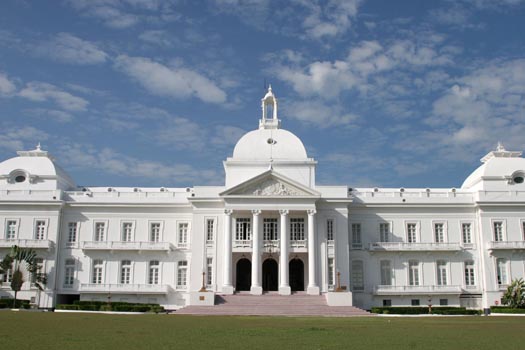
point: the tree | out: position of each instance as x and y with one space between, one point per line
515 294
14 261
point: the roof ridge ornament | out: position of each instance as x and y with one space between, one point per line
269 118
500 152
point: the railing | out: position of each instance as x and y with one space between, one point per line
404 246
357 245
26 243
271 244
238 243
182 245
298 243
124 288
387 290
116 245
507 245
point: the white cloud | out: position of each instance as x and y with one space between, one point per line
181 83
329 19
226 135
319 113
51 114
20 138
157 37
68 48
121 14
7 87
39 91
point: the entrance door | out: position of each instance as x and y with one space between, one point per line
270 275
296 275
244 275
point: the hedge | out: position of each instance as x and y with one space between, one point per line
116 306
419 310
20 304
506 310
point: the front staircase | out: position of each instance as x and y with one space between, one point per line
272 305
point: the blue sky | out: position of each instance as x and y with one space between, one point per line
156 93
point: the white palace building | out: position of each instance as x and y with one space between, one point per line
269 228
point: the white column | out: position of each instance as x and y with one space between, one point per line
256 287
313 288
284 284
227 287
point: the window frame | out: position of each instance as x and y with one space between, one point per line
503 230
180 268
73 266
297 227
123 223
472 235
149 274
186 242
243 228
35 228
121 268
444 233
102 274
330 229
150 231
209 271
506 273
356 243
417 233
106 230
7 226
267 223
213 220
389 233
470 265
382 269
442 266
414 280
358 288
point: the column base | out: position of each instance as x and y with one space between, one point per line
313 290
227 290
256 290
286 290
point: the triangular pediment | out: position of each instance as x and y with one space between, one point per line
270 184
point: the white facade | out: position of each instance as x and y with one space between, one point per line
270 228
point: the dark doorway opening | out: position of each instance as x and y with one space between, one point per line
270 275
296 275
244 275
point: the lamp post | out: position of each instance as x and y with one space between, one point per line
429 304
338 286
203 288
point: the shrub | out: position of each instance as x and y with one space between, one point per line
515 294
419 310
67 307
506 310
20 304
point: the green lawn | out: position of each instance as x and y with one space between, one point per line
60 331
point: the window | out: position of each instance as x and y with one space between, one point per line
210 230
384 232
11 229
40 229
297 229
441 270
356 236
501 266
154 232
125 272
270 229
498 231
243 229
183 233
182 274
415 302
523 229
411 233
330 230
386 273
387 302
127 231
413 273
439 232
72 229
470 277
39 269
100 231
69 273
8 276
153 273
443 302
358 282
466 233
97 274
209 271
331 273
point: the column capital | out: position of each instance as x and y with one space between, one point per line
256 212
228 212
284 211
311 211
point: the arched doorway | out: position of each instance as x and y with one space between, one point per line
270 275
244 275
296 275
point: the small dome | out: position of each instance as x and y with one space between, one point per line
503 165
266 144
34 169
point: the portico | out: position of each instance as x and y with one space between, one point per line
277 245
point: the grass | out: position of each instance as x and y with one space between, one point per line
28 330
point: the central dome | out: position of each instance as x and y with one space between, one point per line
266 144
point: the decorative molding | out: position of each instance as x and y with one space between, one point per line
311 212
284 211
272 187
228 212
256 212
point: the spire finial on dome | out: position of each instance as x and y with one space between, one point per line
500 152
269 118
500 147
38 147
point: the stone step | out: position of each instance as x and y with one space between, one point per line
272 305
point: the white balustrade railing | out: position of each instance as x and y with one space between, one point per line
507 245
404 246
26 243
298 243
124 288
118 245
383 289
242 243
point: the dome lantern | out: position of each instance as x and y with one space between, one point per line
269 118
